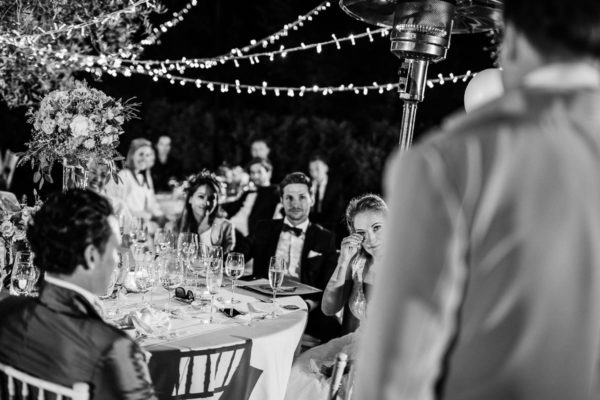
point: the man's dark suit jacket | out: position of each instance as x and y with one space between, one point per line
331 215
264 206
61 338
314 271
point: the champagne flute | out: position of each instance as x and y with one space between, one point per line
214 278
276 274
171 276
187 246
199 266
234 268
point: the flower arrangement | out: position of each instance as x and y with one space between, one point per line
74 126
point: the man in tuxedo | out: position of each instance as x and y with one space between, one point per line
61 336
328 207
308 249
256 204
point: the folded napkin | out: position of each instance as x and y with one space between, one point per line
150 322
283 289
259 307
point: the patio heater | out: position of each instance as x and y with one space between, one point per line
421 31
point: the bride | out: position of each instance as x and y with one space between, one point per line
348 289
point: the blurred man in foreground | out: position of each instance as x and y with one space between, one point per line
61 336
490 287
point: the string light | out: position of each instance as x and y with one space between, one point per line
165 26
253 58
290 91
20 40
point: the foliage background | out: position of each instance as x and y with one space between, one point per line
357 133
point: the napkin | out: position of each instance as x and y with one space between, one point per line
282 289
150 321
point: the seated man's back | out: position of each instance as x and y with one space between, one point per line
61 338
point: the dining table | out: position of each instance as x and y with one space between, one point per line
248 356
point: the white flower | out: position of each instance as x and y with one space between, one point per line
79 126
89 144
7 229
20 235
107 140
48 126
120 119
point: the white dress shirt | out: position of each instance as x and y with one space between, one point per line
290 247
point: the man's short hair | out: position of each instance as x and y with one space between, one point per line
295 177
560 25
65 225
266 164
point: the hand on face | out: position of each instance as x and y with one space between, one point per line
350 246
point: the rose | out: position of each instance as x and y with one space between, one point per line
7 229
120 119
107 139
79 126
48 126
89 144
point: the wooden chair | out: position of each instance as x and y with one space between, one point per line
26 384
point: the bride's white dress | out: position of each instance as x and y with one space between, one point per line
307 382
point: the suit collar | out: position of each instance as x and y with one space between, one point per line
66 301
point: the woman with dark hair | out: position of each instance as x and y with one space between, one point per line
201 214
347 289
135 186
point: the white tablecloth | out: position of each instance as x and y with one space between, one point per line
235 358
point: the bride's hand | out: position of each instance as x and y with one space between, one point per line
350 246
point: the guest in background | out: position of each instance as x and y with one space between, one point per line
348 288
329 205
201 213
255 204
60 336
260 149
166 167
98 178
490 283
308 250
134 187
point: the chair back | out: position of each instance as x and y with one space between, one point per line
341 360
20 385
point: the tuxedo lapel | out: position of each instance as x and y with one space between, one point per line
274 235
309 242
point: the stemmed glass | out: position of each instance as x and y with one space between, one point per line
109 292
171 276
163 241
214 278
234 268
143 275
24 276
199 266
276 274
187 246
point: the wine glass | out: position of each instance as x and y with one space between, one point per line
109 292
171 275
24 276
187 246
163 240
214 278
276 274
234 268
143 276
139 233
199 266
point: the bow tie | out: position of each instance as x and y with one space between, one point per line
296 231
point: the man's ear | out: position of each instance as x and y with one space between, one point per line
91 256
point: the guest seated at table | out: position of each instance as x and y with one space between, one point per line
98 178
348 288
308 250
135 187
257 203
60 336
167 167
201 213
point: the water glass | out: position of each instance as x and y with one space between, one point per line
171 275
23 278
234 268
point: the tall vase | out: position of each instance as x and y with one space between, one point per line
74 176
